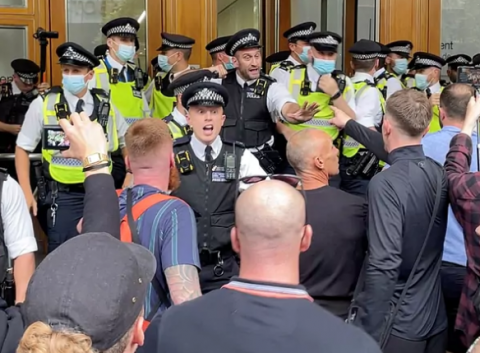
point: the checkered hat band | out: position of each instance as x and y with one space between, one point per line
365 56
382 55
170 44
243 41
206 95
329 40
181 89
301 33
459 60
122 30
73 55
28 76
427 62
218 48
405 50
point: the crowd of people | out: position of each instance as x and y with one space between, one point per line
306 209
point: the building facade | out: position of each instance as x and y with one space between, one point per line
442 27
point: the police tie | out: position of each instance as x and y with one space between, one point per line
208 154
79 107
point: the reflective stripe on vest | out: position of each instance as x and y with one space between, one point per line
131 107
321 120
175 130
161 105
69 170
435 123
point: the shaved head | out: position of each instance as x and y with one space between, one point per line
310 150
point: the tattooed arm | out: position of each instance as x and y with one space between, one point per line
183 283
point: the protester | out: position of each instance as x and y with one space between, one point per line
265 308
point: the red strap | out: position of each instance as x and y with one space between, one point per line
145 325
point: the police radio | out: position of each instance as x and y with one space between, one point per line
61 110
158 82
103 114
139 84
114 76
184 162
305 88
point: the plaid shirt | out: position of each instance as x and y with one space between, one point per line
464 190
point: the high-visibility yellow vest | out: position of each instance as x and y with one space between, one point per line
69 170
435 124
176 130
161 105
383 82
124 95
321 120
408 82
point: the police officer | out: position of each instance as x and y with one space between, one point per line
216 49
397 64
64 176
428 68
369 113
210 168
387 82
257 102
101 51
454 62
118 75
13 107
176 121
172 61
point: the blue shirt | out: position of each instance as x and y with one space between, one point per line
436 146
168 229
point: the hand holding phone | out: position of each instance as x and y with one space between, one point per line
54 138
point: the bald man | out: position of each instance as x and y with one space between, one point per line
331 266
264 309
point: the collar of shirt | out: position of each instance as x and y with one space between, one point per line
199 147
179 117
72 101
435 88
292 59
114 64
379 72
241 81
407 152
362 76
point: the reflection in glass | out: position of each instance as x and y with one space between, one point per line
234 15
13 3
85 19
327 14
15 39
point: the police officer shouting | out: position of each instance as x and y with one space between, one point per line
210 168
257 101
65 176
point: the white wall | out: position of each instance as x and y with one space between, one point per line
236 15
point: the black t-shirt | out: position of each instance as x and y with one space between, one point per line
331 266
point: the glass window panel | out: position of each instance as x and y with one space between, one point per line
15 39
328 15
459 19
234 15
85 19
13 3
366 17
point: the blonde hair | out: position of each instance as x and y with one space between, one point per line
41 338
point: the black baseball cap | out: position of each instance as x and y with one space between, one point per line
93 284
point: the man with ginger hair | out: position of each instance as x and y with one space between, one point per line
166 228
265 308
329 269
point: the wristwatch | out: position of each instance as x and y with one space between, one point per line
94 159
336 95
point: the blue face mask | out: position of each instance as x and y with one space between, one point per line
401 66
229 65
323 67
163 63
304 54
125 52
421 82
74 83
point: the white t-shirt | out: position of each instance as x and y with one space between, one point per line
17 222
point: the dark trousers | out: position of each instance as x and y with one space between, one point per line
210 281
68 214
453 277
355 185
435 344
118 169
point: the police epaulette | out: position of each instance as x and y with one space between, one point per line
181 141
268 78
168 119
286 65
337 73
99 92
55 90
237 143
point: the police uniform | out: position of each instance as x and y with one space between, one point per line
455 61
176 120
369 113
101 51
160 104
64 176
255 105
209 184
387 82
277 58
217 46
424 60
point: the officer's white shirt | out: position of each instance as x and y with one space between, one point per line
369 109
249 165
393 83
114 64
179 117
435 88
17 222
32 128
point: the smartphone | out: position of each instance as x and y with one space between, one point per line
54 138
